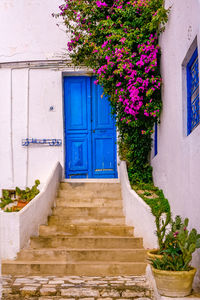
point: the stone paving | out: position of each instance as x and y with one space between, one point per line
76 288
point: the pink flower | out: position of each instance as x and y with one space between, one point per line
123 40
104 44
118 84
101 4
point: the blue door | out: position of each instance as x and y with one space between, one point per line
90 132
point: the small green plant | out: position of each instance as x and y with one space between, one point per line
28 194
6 199
22 195
180 244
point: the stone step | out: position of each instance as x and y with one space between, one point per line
85 194
98 242
88 212
87 230
81 255
59 220
81 268
90 186
88 202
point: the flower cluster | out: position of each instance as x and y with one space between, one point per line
118 39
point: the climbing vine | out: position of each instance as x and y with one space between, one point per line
118 39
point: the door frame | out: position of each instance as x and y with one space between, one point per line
86 73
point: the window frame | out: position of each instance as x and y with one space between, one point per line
189 95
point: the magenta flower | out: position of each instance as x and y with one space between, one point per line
101 4
123 40
104 44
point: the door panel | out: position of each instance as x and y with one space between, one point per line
78 127
78 155
101 110
103 135
103 157
90 133
77 104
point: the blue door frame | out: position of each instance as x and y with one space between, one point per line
90 131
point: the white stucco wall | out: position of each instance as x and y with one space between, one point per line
137 212
26 96
16 228
176 167
29 32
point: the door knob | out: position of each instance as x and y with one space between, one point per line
93 131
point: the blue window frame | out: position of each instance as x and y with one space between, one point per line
193 119
156 139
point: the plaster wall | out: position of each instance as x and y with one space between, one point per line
176 166
29 32
26 97
16 228
135 210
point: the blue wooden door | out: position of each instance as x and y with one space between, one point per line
90 132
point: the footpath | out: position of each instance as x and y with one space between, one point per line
76 288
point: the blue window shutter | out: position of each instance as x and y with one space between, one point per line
156 139
193 93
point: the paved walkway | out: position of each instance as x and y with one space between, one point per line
76 287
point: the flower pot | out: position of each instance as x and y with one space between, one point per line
21 204
174 283
153 253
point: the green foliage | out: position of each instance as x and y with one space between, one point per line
160 209
28 194
23 195
180 244
113 38
5 200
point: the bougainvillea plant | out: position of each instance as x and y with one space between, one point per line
118 39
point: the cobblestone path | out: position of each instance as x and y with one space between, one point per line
76 287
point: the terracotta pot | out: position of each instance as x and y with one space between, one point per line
174 283
21 204
153 253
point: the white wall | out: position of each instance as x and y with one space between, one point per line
29 32
26 96
16 228
137 212
176 168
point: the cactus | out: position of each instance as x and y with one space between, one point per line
180 244
187 241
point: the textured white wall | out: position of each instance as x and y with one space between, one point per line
137 212
26 96
17 228
29 32
176 167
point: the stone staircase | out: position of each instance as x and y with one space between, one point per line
86 235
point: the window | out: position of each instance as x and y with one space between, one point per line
155 139
193 119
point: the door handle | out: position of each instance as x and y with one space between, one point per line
93 131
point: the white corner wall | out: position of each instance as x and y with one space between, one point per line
176 166
137 212
17 228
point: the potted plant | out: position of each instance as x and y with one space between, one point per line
21 198
160 209
172 272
